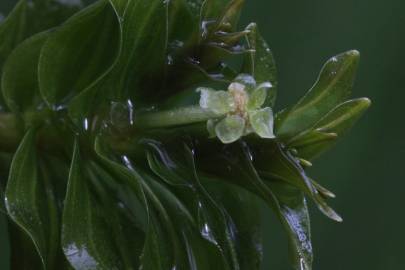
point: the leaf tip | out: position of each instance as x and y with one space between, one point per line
366 102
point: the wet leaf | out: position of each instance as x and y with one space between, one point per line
157 252
157 194
343 117
141 58
10 30
10 33
179 170
220 15
295 218
78 53
27 19
20 77
30 201
286 201
333 87
244 213
184 24
21 246
326 131
282 165
86 238
260 63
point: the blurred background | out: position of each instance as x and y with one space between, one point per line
367 168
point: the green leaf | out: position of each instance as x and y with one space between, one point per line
125 226
172 238
21 246
177 168
274 159
26 20
260 63
143 44
30 201
20 77
245 215
344 116
10 33
139 67
181 248
157 251
287 201
46 14
184 24
324 134
291 208
86 237
296 221
333 87
222 14
78 53
10 30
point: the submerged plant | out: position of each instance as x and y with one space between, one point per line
140 134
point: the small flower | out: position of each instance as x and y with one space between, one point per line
241 107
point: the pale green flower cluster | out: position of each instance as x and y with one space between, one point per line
241 107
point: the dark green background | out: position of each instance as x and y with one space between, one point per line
367 168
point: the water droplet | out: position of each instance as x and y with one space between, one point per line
170 60
86 124
121 114
79 257
193 61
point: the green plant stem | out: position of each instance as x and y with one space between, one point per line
11 127
175 117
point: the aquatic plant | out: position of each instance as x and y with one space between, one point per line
141 134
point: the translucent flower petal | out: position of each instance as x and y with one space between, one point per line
247 80
211 128
262 122
220 102
257 98
230 129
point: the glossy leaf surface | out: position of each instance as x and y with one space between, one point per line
70 60
30 202
20 77
86 238
333 87
335 124
260 63
287 202
127 157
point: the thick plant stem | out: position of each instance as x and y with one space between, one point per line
11 130
176 117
